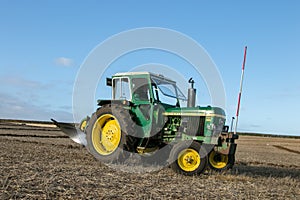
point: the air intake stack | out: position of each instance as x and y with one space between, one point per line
191 94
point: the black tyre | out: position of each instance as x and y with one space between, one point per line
189 158
108 132
220 162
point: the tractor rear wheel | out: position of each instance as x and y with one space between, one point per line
187 158
219 162
107 134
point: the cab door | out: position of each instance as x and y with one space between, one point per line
148 108
142 99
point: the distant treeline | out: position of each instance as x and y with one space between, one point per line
24 121
270 135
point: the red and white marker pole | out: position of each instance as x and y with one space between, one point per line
240 93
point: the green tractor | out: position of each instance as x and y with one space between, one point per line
145 116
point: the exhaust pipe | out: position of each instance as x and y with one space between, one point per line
191 94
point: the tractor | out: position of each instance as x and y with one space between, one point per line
145 115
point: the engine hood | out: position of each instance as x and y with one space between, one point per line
196 111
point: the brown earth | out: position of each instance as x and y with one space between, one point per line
41 163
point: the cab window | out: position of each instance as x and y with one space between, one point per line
140 88
121 89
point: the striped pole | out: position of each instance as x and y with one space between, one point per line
240 93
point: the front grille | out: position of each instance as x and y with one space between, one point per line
195 125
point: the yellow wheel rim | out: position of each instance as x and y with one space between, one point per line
83 125
218 161
106 134
188 160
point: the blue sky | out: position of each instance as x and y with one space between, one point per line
43 44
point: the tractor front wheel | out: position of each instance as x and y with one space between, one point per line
187 159
219 162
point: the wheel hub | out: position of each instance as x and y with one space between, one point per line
189 159
218 158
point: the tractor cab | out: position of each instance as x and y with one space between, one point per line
145 88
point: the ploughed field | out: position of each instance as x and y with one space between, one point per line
38 162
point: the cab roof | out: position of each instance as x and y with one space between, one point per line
157 76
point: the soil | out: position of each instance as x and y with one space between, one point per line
40 162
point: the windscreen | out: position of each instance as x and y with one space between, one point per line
168 88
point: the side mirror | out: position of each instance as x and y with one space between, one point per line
108 81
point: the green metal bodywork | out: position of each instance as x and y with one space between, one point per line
151 112
213 125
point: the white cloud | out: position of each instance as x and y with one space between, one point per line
62 61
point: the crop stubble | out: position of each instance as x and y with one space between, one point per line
41 163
